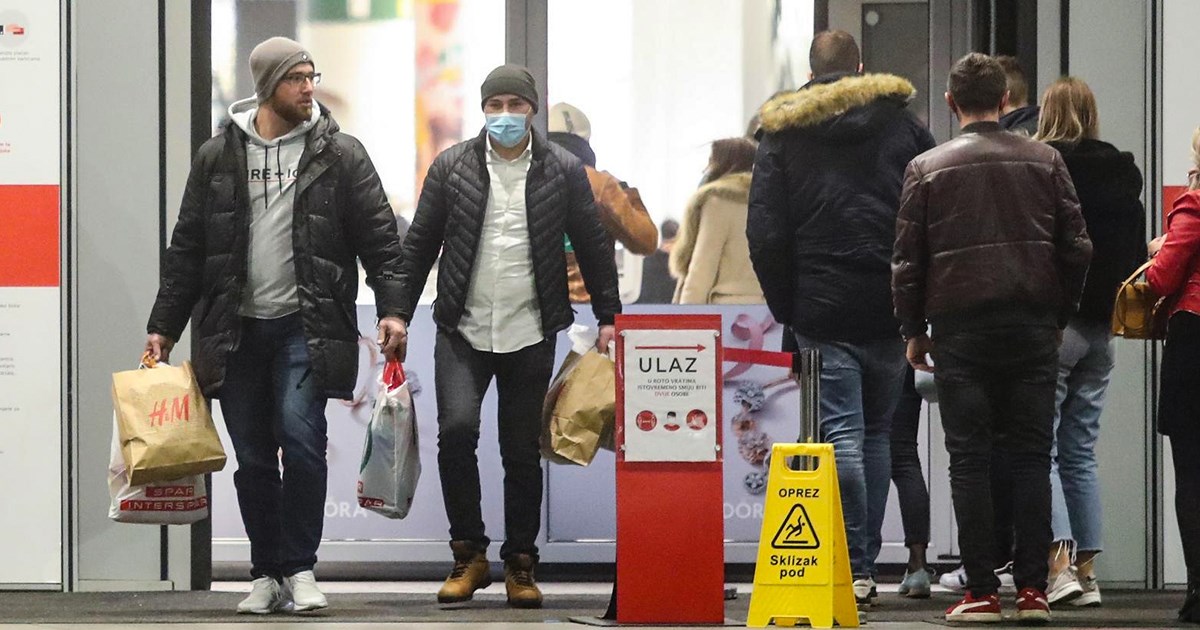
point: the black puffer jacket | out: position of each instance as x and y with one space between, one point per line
823 203
1023 120
340 214
558 200
1109 186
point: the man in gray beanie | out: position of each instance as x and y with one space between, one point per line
276 211
496 208
271 60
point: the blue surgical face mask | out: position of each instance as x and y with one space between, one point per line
507 129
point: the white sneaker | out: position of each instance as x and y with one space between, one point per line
1005 573
954 581
304 592
1091 593
266 596
864 591
1063 587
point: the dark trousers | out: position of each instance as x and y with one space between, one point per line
906 465
462 376
996 389
1179 418
1002 501
1185 453
271 404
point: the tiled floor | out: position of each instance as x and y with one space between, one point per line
285 625
550 589
490 615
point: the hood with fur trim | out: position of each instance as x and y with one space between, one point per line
732 187
850 106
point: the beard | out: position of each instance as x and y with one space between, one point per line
295 113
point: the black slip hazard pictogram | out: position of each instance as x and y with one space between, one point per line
797 531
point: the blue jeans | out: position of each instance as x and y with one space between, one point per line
1084 363
860 386
271 404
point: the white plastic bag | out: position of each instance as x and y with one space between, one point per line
391 461
179 502
926 386
583 338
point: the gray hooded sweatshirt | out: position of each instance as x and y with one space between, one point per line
272 167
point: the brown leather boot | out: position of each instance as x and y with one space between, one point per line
518 582
470 573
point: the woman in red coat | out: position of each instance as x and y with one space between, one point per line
1176 274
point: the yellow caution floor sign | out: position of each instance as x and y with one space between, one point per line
803 569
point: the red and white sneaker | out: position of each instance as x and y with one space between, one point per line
1032 606
984 609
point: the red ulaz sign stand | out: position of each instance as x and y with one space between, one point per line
670 520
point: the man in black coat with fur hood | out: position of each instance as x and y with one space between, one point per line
821 226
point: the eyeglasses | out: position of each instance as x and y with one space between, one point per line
298 78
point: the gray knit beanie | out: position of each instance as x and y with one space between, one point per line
272 59
510 79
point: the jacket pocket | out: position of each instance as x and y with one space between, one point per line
220 194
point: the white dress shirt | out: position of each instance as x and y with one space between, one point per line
502 313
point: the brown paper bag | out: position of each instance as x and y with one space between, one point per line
580 410
165 427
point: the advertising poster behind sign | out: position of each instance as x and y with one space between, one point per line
761 407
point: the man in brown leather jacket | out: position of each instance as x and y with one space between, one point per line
991 253
620 206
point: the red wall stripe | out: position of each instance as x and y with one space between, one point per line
29 236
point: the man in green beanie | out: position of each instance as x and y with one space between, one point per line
496 208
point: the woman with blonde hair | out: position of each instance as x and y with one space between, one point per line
1176 276
1109 186
711 257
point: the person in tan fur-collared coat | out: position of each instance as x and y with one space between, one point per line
711 258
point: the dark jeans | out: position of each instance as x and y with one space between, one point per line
996 389
270 404
462 375
1002 500
906 465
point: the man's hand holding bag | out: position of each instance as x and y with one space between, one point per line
166 430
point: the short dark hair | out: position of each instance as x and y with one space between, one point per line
833 51
669 229
1018 87
977 83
